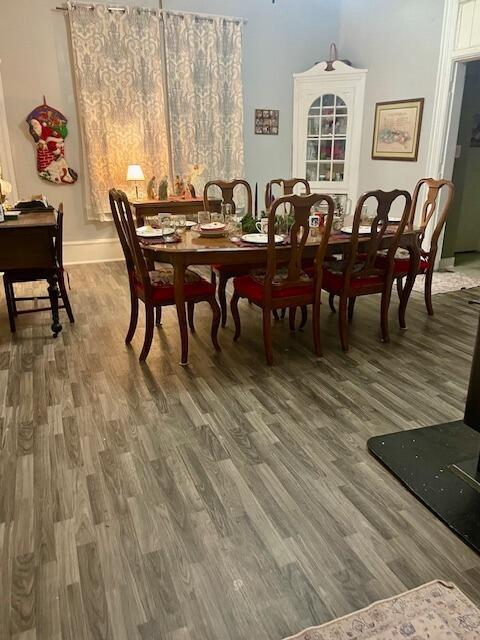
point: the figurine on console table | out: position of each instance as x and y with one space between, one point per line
196 171
163 189
188 191
152 189
178 187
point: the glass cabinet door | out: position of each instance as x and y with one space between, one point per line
326 139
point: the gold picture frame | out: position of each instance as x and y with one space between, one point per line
396 133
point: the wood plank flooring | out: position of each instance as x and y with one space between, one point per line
226 500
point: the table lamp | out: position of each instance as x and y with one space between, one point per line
134 174
5 188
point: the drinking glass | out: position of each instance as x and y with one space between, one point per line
283 224
234 229
164 222
203 217
151 221
229 222
217 217
365 218
180 224
338 221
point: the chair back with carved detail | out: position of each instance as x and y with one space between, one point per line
363 266
227 188
434 191
59 237
126 229
288 187
300 210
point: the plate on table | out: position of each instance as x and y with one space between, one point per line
190 224
259 238
363 230
149 232
212 229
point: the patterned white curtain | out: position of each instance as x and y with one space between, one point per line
204 70
118 73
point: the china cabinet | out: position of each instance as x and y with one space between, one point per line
327 127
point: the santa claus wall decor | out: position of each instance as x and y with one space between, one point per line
48 127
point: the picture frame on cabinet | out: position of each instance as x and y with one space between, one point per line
397 128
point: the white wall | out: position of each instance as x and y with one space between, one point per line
280 39
35 60
399 43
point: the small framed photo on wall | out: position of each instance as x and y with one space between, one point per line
397 130
266 122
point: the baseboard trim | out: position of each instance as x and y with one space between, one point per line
86 251
447 264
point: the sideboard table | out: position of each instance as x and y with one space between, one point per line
189 208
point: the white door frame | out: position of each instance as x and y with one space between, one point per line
460 43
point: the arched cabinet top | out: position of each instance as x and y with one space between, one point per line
339 69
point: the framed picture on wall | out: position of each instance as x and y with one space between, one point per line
266 122
397 130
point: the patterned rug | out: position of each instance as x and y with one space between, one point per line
445 281
433 611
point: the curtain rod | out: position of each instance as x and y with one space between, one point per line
159 11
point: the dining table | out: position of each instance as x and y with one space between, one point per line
194 249
28 243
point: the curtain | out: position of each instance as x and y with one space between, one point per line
118 73
204 71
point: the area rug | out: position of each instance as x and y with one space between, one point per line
445 281
434 611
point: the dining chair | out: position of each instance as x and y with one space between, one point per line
288 187
155 288
359 273
14 276
433 189
281 285
226 272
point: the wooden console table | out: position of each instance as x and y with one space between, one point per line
189 208
28 243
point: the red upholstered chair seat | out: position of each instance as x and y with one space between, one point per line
333 282
253 286
402 263
334 279
162 285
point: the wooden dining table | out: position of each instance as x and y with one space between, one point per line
194 249
28 243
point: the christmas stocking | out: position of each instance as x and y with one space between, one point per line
48 128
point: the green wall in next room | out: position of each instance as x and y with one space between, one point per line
463 226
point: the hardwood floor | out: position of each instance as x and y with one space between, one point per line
226 500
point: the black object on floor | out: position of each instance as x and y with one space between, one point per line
423 460
441 464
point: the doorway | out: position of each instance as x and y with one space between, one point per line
461 245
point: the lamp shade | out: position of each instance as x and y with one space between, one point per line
134 172
5 187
